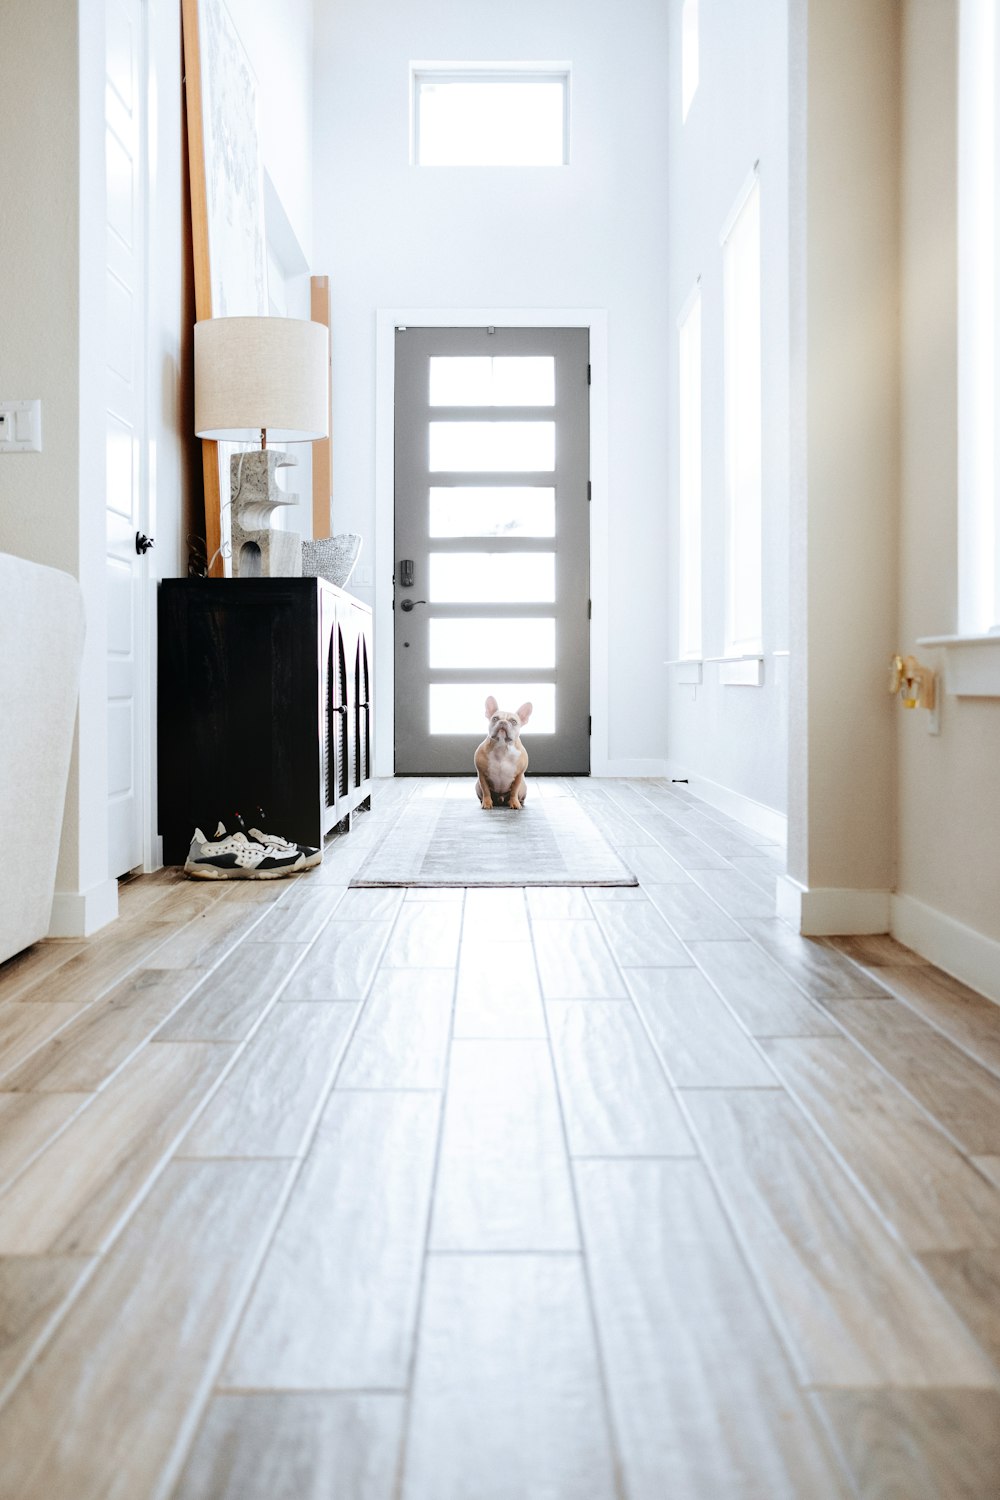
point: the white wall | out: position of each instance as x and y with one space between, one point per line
280 50
593 235
734 737
279 44
949 786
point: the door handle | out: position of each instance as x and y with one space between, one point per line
409 604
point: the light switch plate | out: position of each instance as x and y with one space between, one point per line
20 426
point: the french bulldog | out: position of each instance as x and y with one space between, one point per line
501 759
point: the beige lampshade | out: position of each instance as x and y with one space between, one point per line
254 373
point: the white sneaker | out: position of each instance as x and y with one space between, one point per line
273 840
235 857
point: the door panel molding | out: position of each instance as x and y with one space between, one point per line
388 319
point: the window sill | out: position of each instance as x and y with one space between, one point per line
686 670
971 663
739 671
734 671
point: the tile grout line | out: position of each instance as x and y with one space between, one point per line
239 1043
129 973
783 1341
186 1438
614 1440
399 1475
840 1163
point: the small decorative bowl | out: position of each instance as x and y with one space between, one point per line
332 558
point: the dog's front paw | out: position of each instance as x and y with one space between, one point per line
487 804
515 804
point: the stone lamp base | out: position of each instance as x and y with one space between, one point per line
258 551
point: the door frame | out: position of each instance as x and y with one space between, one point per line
388 319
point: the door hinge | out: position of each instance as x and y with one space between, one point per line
590 491
590 723
588 374
590 609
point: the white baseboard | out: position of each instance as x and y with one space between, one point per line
79 913
959 950
638 768
764 820
827 912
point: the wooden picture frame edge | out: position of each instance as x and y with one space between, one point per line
202 264
322 451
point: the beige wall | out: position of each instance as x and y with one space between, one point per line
845 482
949 785
39 249
51 254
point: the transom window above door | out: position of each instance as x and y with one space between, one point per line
489 114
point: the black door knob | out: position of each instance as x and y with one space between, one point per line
143 543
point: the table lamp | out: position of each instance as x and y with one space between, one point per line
254 379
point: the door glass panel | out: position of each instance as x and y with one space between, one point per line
494 510
523 644
492 447
504 381
492 578
460 707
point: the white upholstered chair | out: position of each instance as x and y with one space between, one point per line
41 643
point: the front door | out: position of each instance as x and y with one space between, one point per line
492 531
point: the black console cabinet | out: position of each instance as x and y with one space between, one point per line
265 702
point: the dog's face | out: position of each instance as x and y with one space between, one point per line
505 728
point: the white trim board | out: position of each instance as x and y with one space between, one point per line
80 913
959 950
387 320
828 912
762 819
638 769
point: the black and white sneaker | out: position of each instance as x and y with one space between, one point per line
235 857
274 841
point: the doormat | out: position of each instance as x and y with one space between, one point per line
441 841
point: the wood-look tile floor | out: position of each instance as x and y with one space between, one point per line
312 1193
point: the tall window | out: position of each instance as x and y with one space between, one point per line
978 476
689 449
490 115
689 55
741 290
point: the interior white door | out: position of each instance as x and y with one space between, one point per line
125 135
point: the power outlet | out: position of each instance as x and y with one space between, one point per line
20 426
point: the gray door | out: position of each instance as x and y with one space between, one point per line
492 567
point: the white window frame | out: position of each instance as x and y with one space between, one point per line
689 399
979 332
422 73
689 55
740 241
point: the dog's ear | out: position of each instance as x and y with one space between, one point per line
524 713
491 707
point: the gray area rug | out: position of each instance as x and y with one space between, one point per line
449 842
